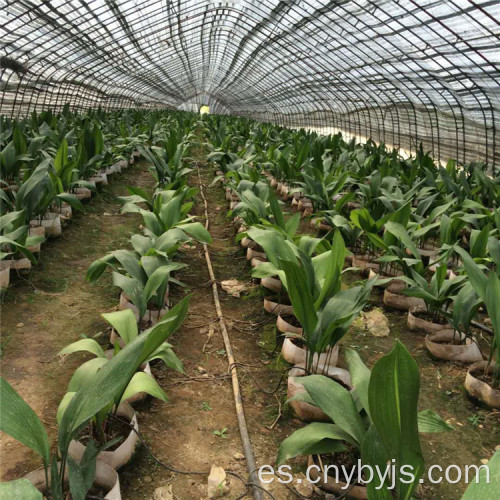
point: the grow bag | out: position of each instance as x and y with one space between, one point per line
423 325
395 283
479 389
51 222
297 355
448 345
4 274
320 224
257 261
83 193
150 317
124 453
251 253
105 478
306 411
273 284
393 298
365 262
284 327
273 307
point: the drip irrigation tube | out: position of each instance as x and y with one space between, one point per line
245 438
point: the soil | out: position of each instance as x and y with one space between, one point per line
348 459
197 427
427 316
56 306
292 320
120 430
95 493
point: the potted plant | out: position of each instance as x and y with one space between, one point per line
60 473
102 427
15 244
375 423
483 377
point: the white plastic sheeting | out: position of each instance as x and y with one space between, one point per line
401 72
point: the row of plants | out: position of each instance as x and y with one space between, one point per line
48 165
355 411
97 423
398 219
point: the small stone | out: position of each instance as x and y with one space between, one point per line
217 485
376 323
239 456
163 493
147 479
302 486
201 369
484 461
20 325
233 287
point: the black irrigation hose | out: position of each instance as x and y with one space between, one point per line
190 472
270 393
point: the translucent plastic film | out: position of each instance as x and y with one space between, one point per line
401 72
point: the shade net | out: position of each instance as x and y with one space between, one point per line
400 72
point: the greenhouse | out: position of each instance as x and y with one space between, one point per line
249 249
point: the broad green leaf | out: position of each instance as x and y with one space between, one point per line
85 372
61 157
494 250
430 421
360 377
197 231
19 421
373 453
489 483
337 403
20 489
492 302
393 399
276 209
143 382
72 201
124 323
81 475
88 345
477 278
314 439
400 232
302 301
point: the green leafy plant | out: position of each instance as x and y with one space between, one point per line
106 386
221 433
380 422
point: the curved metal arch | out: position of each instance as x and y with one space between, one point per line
396 84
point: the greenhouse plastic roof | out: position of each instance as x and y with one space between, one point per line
401 72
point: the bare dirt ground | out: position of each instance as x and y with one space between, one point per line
198 426
55 306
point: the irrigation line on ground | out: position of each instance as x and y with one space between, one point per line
245 438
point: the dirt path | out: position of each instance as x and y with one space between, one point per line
198 426
56 307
